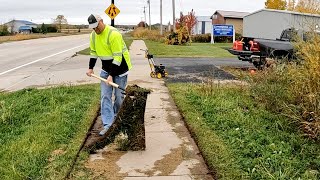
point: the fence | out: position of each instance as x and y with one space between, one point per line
76 30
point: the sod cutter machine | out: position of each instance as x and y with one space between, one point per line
158 71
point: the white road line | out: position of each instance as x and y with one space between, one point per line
5 72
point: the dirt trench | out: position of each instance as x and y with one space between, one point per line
129 122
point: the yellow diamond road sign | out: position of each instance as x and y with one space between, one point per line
112 11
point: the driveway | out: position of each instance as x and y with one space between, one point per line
199 70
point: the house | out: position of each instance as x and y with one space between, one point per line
231 18
20 26
203 25
269 23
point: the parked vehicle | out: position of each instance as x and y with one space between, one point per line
257 50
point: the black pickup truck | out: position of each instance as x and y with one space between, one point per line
257 50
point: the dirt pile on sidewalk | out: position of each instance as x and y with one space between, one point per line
129 122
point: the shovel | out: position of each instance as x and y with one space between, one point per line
110 83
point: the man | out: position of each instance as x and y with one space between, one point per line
106 43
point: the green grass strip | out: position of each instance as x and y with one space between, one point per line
41 130
240 139
218 50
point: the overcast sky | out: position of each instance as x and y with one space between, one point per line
131 11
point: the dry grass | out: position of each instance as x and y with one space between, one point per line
20 37
143 33
306 85
293 89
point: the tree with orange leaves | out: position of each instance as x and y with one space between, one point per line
188 20
291 5
276 4
191 21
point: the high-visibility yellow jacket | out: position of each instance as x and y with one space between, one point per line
110 47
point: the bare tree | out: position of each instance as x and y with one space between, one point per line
308 6
11 26
59 21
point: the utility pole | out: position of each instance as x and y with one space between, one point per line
174 16
149 15
145 16
112 20
161 17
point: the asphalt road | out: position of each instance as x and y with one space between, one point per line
199 69
20 60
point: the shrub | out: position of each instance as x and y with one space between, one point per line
4 31
36 30
202 38
181 37
52 29
227 39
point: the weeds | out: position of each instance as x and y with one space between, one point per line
293 88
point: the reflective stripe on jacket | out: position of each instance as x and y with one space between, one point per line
109 45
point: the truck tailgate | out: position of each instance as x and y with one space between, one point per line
275 44
243 53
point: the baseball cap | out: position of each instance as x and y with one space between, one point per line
93 20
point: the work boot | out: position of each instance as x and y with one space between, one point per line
104 131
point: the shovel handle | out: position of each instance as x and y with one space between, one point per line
110 83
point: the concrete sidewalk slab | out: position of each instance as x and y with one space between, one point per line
170 152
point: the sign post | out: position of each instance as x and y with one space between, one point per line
112 11
222 30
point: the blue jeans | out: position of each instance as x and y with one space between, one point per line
109 110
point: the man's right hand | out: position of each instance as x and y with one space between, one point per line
89 72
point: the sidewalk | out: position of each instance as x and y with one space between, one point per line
170 151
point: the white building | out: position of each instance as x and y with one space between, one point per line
203 25
269 23
20 26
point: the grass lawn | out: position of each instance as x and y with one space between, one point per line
42 130
240 139
159 49
194 50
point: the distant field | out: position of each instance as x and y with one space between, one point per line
20 37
